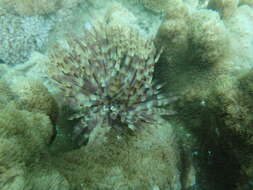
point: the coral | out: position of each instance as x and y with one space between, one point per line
156 6
143 161
19 36
5 93
117 13
171 8
12 178
215 104
44 176
173 37
24 85
226 8
32 127
197 47
24 137
241 29
106 77
194 36
30 7
209 38
36 7
246 2
32 95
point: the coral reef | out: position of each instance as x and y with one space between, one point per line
106 83
209 38
161 6
35 7
173 36
5 94
246 2
156 6
32 95
21 145
121 93
132 162
120 168
24 134
226 8
207 69
173 33
28 29
205 41
44 176
19 36
25 138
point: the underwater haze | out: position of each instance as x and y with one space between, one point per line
126 95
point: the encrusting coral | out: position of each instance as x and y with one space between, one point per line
106 77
